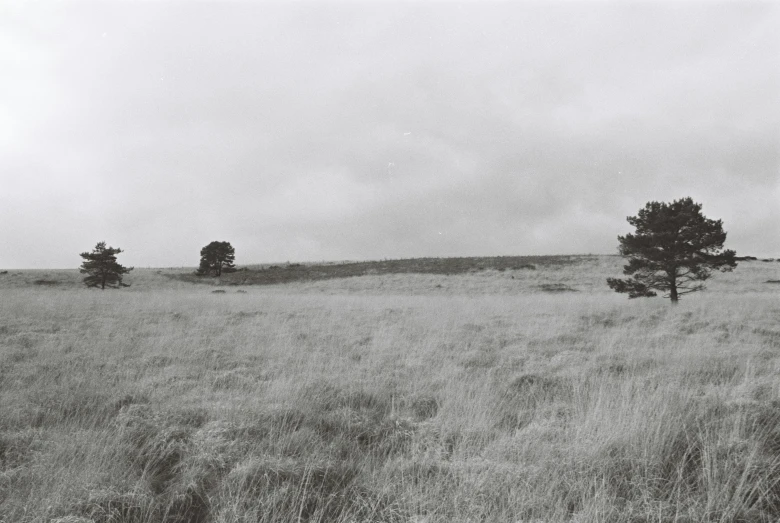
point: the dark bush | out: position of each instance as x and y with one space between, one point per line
556 287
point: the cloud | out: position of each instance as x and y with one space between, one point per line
319 131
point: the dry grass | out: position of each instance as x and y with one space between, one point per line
426 398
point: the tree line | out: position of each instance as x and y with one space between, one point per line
103 269
673 250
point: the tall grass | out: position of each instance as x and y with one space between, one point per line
363 401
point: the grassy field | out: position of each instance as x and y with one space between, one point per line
508 393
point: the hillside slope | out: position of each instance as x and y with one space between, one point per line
420 276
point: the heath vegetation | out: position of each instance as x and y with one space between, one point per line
502 394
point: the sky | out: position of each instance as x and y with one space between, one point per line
304 131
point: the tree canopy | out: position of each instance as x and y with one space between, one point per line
216 258
101 267
674 249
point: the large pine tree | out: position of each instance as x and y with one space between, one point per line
101 267
675 248
216 258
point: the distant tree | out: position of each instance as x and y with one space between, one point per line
101 267
674 249
216 258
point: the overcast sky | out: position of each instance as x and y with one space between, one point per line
330 131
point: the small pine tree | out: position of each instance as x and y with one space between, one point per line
216 258
101 267
675 247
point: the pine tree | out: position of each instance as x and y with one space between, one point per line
674 249
216 258
102 268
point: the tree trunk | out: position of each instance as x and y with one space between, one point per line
673 293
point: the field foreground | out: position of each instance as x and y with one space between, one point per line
502 395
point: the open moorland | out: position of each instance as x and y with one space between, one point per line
469 390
